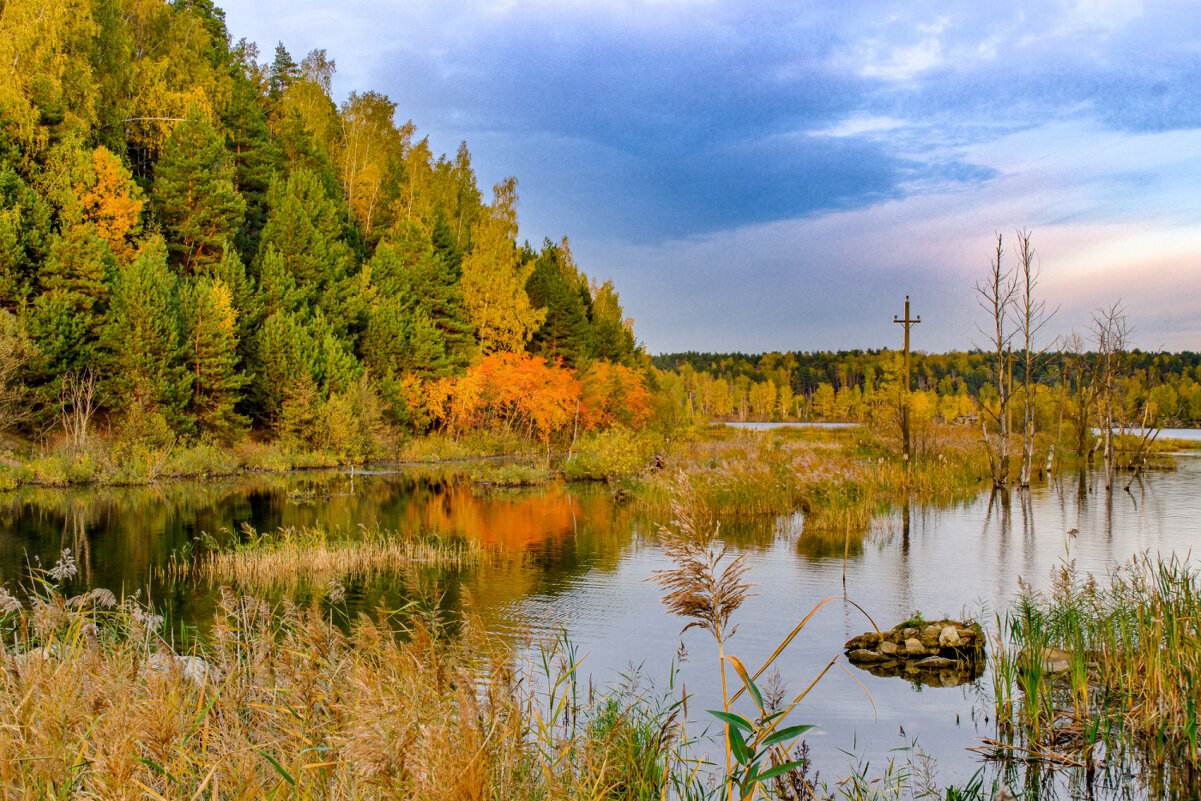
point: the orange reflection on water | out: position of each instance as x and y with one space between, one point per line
520 521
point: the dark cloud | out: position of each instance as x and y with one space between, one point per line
698 151
688 118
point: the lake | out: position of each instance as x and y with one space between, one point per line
589 558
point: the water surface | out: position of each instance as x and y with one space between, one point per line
589 558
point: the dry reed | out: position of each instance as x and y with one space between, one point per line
289 557
279 703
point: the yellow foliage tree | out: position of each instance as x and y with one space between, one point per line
113 203
494 278
46 81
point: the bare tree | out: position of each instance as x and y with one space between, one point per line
1031 316
77 403
1112 332
996 296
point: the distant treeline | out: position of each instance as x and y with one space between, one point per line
197 239
840 384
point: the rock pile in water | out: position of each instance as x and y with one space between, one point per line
943 653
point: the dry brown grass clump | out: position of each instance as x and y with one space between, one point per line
288 557
278 703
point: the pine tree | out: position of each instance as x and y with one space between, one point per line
194 194
407 269
68 313
142 339
335 368
210 325
304 232
285 356
282 73
246 300
25 228
612 333
554 286
254 153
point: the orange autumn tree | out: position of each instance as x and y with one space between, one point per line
525 393
510 392
614 394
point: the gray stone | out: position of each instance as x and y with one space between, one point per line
192 669
914 646
1056 660
864 655
936 663
948 637
887 647
868 640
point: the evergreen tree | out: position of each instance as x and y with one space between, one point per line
68 313
335 367
212 19
415 284
25 227
254 153
285 357
554 287
247 306
304 261
210 325
142 339
282 73
194 194
613 334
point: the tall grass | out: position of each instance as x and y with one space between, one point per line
268 562
840 481
1105 664
706 586
279 703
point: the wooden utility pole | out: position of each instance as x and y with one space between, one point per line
907 322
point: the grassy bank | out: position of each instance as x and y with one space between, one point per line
840 479
613 454
113 461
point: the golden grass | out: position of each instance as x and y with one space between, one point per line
279 703
841 480
290 557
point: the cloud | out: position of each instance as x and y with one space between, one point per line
835 280
780 174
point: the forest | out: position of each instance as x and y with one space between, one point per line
845 386
200 250
198 246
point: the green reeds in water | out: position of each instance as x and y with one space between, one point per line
1111 664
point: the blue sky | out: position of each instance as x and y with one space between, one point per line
778 175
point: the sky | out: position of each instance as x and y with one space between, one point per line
780 174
